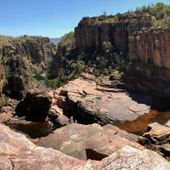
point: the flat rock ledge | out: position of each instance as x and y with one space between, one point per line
85 101
89 141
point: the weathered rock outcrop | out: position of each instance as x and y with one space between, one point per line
18 153
23 58
89 141
85 101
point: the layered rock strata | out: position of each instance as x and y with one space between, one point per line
145 48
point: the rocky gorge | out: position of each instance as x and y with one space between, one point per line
95 101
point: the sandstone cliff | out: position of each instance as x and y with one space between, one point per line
93 32
1 83
143 37
22 59
135 43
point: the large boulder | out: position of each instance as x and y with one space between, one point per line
34 106
88 102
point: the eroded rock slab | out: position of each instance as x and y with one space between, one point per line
89 141
87 102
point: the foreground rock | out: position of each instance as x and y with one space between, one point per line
18 153
84 101
89 141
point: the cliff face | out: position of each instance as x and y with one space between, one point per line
91 33
146 48
149 53
1 83
22 59
151 46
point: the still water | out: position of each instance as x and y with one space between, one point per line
32 129
139 125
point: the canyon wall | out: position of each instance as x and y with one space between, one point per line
23 58
91 33
149 53
146 48
1 83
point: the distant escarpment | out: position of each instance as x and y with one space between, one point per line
134 44
23 59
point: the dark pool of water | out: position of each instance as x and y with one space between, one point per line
32 129
139 126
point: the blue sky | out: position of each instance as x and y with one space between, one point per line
54 18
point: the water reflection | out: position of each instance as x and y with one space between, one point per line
139 125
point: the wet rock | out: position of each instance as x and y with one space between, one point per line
18 153
88 103
34 106
81 141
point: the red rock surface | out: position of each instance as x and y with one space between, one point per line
81 141
89 102
18 153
